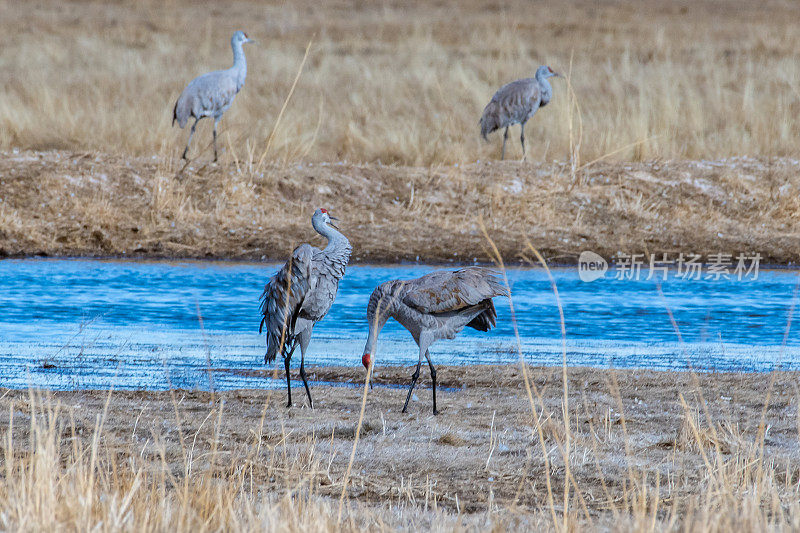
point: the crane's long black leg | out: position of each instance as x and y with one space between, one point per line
522 138
505 138
414 377
303 375
433 380
286 361
215 140
191 134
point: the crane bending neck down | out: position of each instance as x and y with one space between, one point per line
376 324
378 312
438 305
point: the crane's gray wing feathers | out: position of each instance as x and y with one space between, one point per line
448 291
512 103
282 299
327 270
215 92
206 96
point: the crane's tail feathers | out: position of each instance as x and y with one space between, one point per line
262 308
272 349
273 343
486 129
485 320
489 121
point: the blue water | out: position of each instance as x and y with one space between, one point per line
68 324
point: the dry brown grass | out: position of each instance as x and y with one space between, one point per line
405 82
649 451
59 203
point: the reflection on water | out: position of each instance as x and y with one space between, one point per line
96 324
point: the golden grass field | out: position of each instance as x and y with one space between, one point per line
630 450
405 82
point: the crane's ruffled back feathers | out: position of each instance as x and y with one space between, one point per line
446 291
511 104
282 298
327 269
208 95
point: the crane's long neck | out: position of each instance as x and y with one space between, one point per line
338 246
546 88
376 324
380 308
239 63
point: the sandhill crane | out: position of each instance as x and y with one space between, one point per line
436 306
210 95
516 103
300 294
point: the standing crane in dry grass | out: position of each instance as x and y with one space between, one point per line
435 306
516 103
301 293
210 95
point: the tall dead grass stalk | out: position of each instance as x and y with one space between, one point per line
268 144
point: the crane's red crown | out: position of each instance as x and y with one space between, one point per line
323 210
548 68
245 35
366 359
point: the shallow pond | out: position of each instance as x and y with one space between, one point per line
69 324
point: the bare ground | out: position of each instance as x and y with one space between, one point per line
630 432
90 204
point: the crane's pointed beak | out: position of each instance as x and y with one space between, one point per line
331 222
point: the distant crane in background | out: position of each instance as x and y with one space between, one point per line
210 95
516 103
301 294
435 306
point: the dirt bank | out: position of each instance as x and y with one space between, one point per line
90 204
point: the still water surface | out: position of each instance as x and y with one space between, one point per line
77 324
